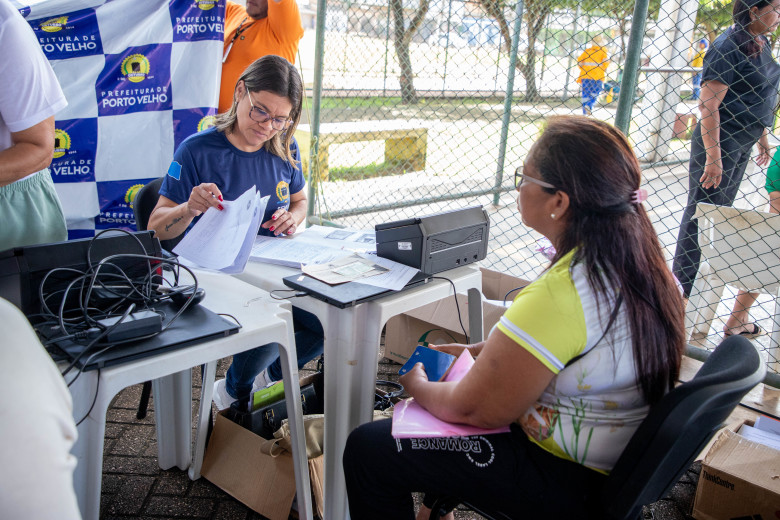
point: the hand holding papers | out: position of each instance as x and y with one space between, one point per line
222 240
412 420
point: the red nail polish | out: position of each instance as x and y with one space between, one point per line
273 217
220 207
271 228
220 198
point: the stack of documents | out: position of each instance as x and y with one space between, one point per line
766 431
314 245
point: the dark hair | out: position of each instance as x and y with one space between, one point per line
593 163
276 75
748 43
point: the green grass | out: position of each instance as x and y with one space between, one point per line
355 173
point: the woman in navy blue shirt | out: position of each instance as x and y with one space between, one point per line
252 144
738 97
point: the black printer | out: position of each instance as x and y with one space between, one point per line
438 242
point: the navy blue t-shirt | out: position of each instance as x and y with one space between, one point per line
752 82
208 156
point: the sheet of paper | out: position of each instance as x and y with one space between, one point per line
246 248
396 277
760 436
355 240
347 269
218 238
291 252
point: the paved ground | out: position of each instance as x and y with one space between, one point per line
135 487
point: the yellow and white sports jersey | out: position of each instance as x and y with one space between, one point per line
592 407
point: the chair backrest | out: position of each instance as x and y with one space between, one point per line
678 427
740 246
143 204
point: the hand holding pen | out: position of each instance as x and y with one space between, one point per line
203 197
282 221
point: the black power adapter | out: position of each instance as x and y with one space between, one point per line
136 325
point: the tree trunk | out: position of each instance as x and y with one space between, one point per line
402 37
537 15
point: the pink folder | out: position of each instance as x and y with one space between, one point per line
412 420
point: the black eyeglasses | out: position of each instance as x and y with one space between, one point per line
261 116
519 178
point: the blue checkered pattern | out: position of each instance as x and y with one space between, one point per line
139 78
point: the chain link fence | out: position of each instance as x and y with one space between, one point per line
422 106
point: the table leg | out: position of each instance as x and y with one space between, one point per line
173 417
476 334
204 415
88 449
351 353
289 361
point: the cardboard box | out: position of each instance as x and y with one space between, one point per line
739 479
440 319
238 462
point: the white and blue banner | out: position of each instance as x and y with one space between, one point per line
139 76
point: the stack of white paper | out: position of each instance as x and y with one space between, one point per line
314 245
766 431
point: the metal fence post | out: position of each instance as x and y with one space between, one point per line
573 41
631 67
319 46
510 87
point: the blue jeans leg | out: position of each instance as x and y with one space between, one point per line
591 89
696 86
309 341
246 365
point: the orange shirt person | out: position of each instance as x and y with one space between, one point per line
593 63
263 27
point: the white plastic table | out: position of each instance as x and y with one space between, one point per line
351 354
263 321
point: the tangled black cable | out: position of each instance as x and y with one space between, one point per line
75 303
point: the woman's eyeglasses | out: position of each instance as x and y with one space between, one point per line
519 178
261 116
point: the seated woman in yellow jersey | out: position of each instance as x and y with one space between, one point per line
572 366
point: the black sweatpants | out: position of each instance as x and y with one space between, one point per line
736 147
502 472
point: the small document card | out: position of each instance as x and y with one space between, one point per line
436 363
222 240
346 269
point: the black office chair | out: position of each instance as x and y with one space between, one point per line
143 204
672 435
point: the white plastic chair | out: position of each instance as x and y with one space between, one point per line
739 248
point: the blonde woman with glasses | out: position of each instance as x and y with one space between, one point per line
252 144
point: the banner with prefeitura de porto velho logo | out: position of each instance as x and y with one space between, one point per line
139 77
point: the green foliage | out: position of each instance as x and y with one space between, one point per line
714 16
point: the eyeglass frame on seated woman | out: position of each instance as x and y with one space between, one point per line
267 117
530 179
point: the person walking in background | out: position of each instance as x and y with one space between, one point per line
738 95
698 61
30 210
263 27
593 64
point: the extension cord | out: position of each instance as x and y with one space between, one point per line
137 324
